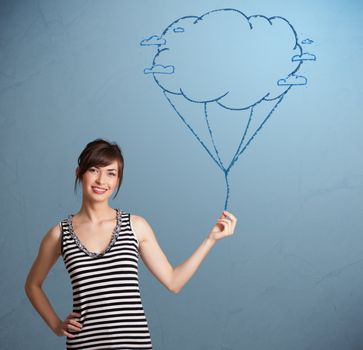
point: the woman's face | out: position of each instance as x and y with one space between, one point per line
98 183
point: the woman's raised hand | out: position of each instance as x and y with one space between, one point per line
224 227
69 324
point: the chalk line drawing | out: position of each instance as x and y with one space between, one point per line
307 41
224 61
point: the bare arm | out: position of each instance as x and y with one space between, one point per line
48 253
154 258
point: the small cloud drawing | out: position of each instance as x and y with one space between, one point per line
293 80
307 41
178 30
153 40
306 56
159 69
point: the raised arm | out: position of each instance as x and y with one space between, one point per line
48 253
154 258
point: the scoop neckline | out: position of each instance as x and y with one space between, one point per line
115 233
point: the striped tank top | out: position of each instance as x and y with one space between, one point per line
105 290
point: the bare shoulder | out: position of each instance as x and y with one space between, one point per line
54 232
49 251
141 227
53 238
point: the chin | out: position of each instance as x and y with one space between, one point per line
98 198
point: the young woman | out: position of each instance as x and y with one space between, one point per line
100 247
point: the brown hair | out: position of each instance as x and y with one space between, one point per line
100 153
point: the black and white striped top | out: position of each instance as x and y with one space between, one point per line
106 290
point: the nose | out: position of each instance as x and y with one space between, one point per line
100 178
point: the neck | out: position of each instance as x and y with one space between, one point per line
95 211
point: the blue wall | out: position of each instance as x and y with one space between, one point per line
290 277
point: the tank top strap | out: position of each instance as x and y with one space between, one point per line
128 228
64 230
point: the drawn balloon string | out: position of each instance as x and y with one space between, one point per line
228 59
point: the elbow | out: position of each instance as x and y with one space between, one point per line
29 287
174 290
172 287
26 286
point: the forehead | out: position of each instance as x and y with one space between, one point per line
112 166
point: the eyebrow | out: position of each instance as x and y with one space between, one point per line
106 169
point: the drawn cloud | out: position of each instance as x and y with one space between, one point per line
307 41
227 57
292 80
306 56
178 30
159 69
153 40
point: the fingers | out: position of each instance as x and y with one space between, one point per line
71 317
229 215
70 324
75 323
226 225
230 219
68 334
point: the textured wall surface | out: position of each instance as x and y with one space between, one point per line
290 277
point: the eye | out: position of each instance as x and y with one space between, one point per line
112 174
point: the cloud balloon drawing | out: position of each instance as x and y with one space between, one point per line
235 69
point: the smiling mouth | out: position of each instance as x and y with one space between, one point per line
98 190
